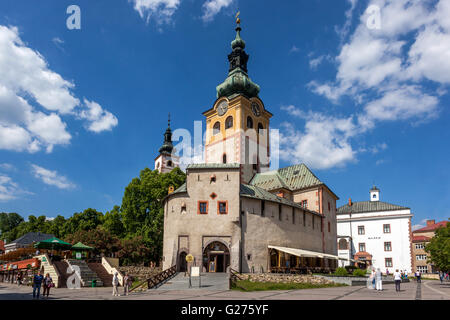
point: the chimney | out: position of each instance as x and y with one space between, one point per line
430 222
350 202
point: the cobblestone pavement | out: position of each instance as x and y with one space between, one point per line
427 290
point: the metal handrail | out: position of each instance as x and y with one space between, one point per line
234 277
155 280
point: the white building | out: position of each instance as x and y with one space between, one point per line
376 232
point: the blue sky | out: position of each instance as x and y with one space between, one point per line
360 100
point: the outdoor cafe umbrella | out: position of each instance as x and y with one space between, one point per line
52 243
81 247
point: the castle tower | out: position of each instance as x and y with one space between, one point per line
374 194
166 161
237 126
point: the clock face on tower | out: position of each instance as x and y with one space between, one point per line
256 110
222 108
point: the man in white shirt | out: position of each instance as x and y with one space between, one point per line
397 280
378 279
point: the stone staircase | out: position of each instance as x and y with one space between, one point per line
86 274
101 272
48 267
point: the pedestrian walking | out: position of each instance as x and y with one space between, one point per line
19 279
371 281
37 283
397 280
127 281
48 283
419 276
379 281
115 283
441 276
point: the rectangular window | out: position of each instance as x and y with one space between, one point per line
304 219
222 207
388 262
202 207
386 228
362 247
420 246
329 226
422 269
421 257
313 221
305 203
387 246
279 212
293 215
329 206
361 230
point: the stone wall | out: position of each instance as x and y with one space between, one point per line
284 278
141 273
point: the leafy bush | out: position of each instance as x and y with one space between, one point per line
359 272
341 272
350 269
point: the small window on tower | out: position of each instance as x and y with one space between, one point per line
260 128
216 128
169 163
229 122
249 122
224 158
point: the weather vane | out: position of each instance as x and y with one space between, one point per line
238 21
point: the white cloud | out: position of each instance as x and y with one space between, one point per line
7 167
51 177
382 61
26 83
212 7
315 62
324 143
8 189
294 49
159 10
98 119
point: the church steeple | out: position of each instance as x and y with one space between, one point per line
167 146
166 161
238 81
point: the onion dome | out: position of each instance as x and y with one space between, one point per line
238 82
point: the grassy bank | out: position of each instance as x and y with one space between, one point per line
246 285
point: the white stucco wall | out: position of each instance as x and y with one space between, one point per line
374 237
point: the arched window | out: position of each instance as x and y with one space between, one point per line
343 244
249 122
229 122
169 163
224 158
260 128
216 128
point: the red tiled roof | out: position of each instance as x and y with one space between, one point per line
432 227
420 238
2 245
363 254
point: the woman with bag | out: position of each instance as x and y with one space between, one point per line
48 283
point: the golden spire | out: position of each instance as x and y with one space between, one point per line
238 21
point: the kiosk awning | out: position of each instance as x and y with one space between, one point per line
304 253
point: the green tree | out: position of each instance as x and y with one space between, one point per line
142 211
133 251
100 239
57 226
87 220
112 222
439 248
9 221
